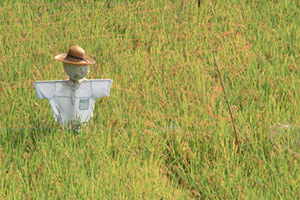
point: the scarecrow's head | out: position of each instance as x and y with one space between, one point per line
75 63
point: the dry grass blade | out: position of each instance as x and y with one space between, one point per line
227 102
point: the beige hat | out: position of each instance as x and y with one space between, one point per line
75 56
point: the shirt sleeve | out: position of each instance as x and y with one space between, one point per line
44 89
101 88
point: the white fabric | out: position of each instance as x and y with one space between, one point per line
72 102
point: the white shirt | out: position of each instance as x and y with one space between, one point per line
72 102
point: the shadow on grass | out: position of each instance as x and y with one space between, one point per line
22 136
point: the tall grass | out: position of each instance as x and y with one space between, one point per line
159 55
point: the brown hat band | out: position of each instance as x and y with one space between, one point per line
75 57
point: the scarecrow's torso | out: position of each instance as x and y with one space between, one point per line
72 102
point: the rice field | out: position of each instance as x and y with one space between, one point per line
165 131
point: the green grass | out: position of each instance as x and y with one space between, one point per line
159 55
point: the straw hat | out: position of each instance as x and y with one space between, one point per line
75 56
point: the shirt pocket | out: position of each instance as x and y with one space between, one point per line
84 104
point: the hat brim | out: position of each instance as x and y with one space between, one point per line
63 58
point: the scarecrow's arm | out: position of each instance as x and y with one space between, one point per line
44 89
101 88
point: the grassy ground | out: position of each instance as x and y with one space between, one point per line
158 54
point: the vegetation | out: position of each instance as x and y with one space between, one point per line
165 131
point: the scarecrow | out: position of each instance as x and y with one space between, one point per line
72 101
